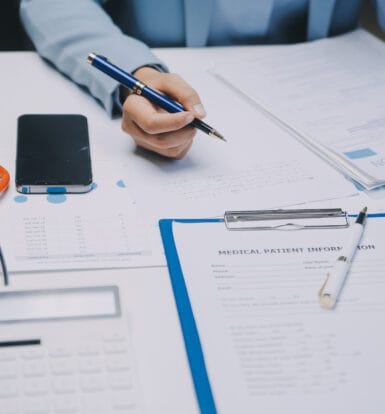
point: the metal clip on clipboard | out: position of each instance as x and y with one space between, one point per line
296 219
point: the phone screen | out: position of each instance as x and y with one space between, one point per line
53 154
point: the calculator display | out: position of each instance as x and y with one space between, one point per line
56 304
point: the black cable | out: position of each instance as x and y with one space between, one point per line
4 268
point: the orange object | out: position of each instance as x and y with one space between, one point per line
4 179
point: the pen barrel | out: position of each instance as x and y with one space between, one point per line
337 276
161 100
114 71
336 279
202 126
350 248
172 107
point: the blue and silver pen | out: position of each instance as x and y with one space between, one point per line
138 87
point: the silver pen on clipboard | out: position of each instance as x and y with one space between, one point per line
335 279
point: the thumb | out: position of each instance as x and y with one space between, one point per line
174 86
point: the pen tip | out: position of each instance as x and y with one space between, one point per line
362 216
218 135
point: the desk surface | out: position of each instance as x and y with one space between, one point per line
29 85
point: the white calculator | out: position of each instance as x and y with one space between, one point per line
66 351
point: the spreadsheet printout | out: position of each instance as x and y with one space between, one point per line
330 92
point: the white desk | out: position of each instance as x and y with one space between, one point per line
29 85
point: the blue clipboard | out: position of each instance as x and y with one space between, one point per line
190 332
186 317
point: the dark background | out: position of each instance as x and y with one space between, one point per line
13 36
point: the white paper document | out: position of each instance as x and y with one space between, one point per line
330 92
99 229
268 345
260 165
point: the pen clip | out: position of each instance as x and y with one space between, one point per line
326 300
321 291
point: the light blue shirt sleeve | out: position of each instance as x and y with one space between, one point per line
380 8
65 32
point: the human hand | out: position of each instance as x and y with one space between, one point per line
152 127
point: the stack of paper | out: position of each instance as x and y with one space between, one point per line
330 93
259 166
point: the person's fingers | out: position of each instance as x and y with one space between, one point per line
174 145
152 121
158 141
169 141
177 152
174 86
184 151
159 131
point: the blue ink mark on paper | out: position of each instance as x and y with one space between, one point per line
56 198
121 184
94 186
21 198
361 153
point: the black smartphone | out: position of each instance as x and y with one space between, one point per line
53 154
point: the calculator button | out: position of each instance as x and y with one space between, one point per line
8 356
37 386
89 365
120 381
123 400
88 350
115 347
60 351
117 363
34 368
65 405
8 389
8 370
130 410
62 366
33 354
64 385
116 337
36 406
95 404
9 407
92 383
